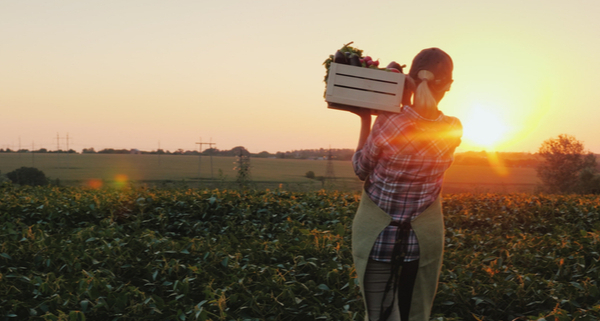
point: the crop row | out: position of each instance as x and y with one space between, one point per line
186 254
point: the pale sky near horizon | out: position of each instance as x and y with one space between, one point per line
131 74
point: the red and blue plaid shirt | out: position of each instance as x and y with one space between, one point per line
403 162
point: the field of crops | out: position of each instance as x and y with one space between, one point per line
192 171
185 254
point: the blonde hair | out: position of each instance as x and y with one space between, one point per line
423 96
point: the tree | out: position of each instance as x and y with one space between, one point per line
242 166
565 159
263 154
28 176
589 182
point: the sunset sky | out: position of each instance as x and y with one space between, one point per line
131 74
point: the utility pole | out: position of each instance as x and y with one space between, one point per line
329 174
57 150
67 150
200 156
211 163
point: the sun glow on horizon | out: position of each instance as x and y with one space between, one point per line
483 128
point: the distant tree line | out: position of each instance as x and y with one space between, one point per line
322 153
471 158
41 151
505 159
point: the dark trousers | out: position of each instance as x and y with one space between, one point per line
377 276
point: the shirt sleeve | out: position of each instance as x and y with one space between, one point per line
365 159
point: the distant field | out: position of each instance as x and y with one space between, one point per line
80 169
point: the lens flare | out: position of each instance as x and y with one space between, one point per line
94 183
121 180
497 164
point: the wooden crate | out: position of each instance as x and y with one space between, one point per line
364 87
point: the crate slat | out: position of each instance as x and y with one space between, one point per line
360 84
364 87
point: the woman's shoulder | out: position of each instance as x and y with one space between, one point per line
452 121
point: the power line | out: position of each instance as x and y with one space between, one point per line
67 150
200 156
57 150
329 173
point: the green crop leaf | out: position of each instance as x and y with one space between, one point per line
201 314
225 261
6 256
577 285
323 287
180 315
84 305
76 316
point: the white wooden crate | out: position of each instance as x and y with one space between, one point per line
364 87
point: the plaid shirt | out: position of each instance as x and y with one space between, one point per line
403 161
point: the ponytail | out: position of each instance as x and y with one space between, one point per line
423 97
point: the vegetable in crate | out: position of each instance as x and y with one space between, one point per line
340 58
349 55
395 67
348 51
355 60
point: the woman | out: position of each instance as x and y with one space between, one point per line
398 230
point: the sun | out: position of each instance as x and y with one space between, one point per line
484 128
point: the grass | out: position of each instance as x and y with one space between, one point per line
80 169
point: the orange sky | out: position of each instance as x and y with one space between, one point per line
131 74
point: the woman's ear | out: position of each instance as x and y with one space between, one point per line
447 87
409 89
